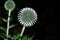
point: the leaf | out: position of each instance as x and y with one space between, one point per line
2 35
18 35
11 26
30 38
25 38
19 38
9 36
4 19
2 28
5 36
15 37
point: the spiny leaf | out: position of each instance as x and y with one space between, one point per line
18 35
19 38
11 26
2 28
30 38
15 37
4 19
2 36
9 36
25 38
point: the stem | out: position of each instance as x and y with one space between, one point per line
5 39
19 38
22 31
8 23
9 0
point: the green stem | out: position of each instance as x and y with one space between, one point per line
8 23
5 39
22 31
9 0
19 38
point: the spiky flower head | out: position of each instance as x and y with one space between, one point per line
9 5
27 16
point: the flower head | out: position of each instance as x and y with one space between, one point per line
27 16
9 5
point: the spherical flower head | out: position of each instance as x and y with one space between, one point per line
9 5
27 16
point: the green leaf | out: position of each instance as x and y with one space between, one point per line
30 38
2 28
2 36
18 35
4 19
15 37
25 38
5 36
19 38
9 36
11 26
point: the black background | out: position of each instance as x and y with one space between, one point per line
44 29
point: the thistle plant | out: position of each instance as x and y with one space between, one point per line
9 6
26 17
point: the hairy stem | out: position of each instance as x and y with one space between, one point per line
22 31
8 23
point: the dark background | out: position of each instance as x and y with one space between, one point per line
44 29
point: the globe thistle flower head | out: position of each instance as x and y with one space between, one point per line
9 5
27 16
